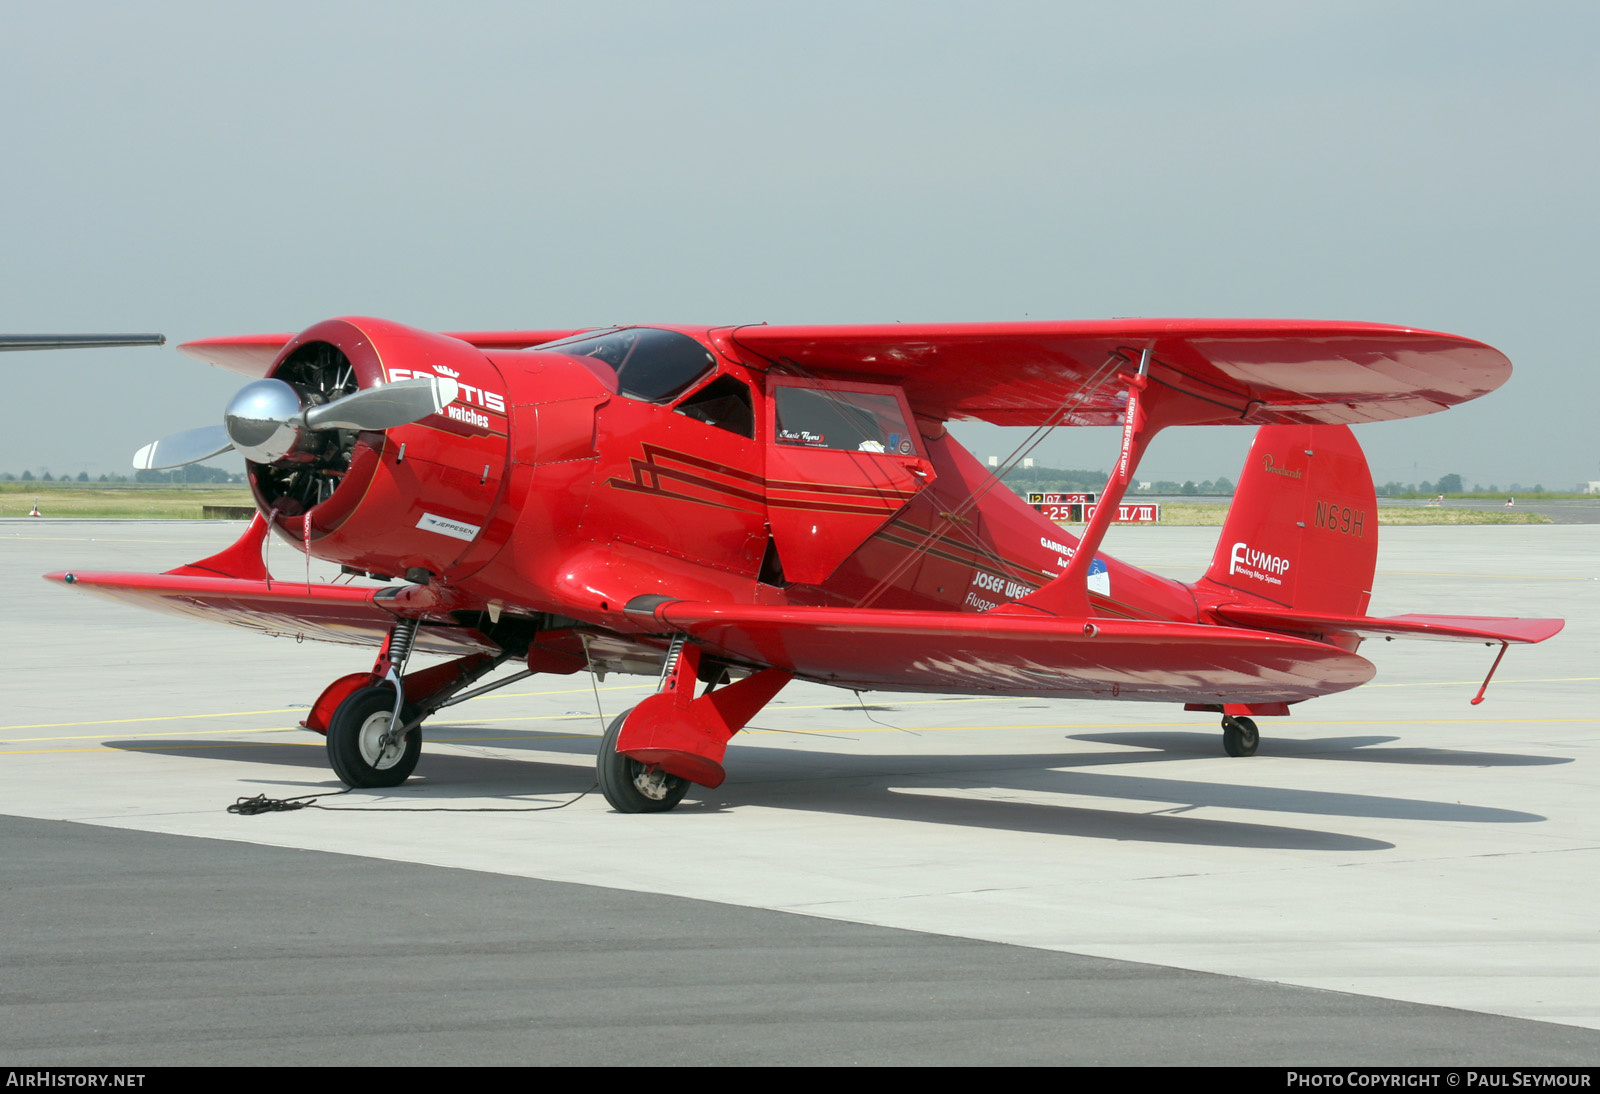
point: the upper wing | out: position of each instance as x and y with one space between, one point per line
253 354
1252 371
870 649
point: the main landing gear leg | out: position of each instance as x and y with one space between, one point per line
630 786
375 736
651 754
374 720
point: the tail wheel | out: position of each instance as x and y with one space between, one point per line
356 746
1239 736
630 786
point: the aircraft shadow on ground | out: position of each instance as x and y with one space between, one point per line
1166 744
441 774
968 790
1164 826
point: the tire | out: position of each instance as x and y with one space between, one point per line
621 777
1240 736
353 734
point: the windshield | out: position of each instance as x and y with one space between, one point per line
654 365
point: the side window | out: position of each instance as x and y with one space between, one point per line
724 403
854 421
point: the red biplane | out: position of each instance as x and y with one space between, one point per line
737 507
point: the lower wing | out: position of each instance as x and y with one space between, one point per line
1019 655
346 614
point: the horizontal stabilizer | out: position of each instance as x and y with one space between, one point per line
1439 628
1099 658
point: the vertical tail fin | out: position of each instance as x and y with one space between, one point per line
1303 528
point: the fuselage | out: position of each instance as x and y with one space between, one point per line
569 480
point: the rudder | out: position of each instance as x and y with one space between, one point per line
1303 528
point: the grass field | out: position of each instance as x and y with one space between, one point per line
1202 514
1499 495
1459 516
135 500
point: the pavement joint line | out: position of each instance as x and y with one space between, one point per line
808 907
1379 863
1409 860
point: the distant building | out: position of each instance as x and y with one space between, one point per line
1591 487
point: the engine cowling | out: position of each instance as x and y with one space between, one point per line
387 501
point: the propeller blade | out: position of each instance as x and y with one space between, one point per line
191 446
386 406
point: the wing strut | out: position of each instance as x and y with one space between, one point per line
953 519
1478 698
1150 409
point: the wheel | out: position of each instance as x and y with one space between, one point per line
629 785
1239 736
355 733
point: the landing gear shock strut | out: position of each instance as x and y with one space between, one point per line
397 652
374 735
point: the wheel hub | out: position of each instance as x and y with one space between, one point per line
377 748
653 783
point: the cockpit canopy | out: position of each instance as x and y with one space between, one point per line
650 364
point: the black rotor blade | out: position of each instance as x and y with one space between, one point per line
77 341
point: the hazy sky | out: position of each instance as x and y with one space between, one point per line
206 169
